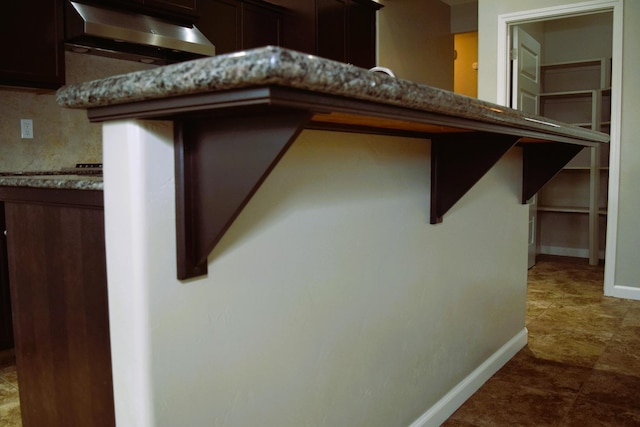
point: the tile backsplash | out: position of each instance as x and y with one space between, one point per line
61 137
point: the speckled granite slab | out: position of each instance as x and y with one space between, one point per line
69 182
283 67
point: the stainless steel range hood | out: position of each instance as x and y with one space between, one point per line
132 36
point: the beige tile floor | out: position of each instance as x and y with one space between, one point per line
581 366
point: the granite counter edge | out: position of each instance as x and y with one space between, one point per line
67 182
282 67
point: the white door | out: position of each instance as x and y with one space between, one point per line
526 72
525 95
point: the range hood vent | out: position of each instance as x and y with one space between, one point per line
132 36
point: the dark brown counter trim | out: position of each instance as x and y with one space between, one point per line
53 196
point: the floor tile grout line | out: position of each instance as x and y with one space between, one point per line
611 405
592 299
609 343
569 411
14 387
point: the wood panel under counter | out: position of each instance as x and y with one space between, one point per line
57 275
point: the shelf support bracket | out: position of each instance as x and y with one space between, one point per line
542 161
221 161
458 161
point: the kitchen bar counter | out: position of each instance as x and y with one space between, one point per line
304 256
235 116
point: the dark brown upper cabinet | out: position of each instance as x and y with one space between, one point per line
175 10
331 20
186 7
220 22
261 25
343 30
361 33
33 55
233 25
33 52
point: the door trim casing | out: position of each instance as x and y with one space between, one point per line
503 90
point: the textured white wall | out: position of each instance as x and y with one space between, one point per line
415 41
464 17
331 301
579 38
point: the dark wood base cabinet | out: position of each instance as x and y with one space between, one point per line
57 276
6 325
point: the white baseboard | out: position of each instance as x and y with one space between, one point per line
626 292
445 407
562 251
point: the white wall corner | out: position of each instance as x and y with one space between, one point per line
130 153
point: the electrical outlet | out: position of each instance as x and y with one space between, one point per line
26 128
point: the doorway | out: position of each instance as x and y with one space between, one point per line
561 69
506 22
465 65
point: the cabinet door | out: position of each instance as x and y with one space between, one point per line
298 30
346 31
220 23
361 37
57 269
187 7
120 4
233 25
179 11
6 325
331 29
260 26
33 50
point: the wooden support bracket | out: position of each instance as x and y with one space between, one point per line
541 162
458 161
228 141
220 163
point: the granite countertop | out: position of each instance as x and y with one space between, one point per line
274 66
52 181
